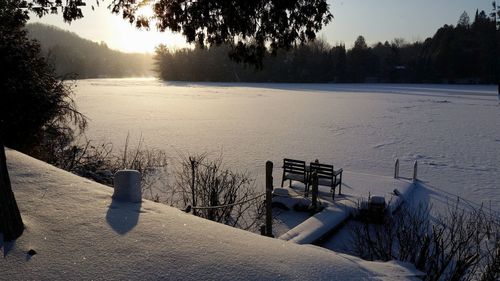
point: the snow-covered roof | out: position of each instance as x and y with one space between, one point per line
80 233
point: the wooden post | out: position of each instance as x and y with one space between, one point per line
263 230
415 171
193 167
269 198
396 169
314 190
340 185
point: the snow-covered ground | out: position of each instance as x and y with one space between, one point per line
80 233
452 130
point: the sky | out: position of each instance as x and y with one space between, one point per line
376 20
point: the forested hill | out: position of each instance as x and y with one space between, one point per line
464 53
73 55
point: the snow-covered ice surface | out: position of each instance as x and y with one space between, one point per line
452 130
80 233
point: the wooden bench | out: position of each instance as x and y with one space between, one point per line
294 170
327 176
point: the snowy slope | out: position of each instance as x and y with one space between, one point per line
79 233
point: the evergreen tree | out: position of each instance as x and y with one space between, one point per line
34 105
464 20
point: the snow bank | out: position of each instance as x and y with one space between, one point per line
80 233
318 225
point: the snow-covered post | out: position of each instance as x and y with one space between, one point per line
269 199
396 169
127 184
414 171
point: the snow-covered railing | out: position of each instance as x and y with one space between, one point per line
226 205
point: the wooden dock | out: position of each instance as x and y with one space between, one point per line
356 188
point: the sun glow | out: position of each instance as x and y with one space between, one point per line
145 11
131 39
101 26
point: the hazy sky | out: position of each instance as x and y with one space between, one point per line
376 20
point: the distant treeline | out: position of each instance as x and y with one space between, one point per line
73 55
465 53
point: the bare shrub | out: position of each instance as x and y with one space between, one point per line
88 160
150 162
491 252
199 182
457 245
374 241
412 226
225 196
100 162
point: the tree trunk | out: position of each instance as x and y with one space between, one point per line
11 223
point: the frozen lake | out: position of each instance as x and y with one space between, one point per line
452 130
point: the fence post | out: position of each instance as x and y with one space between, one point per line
415 165
315 190
269 198
396 169
263 230
193 167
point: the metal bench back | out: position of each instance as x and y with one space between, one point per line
294 166
322 170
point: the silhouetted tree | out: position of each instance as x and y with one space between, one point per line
311 62
495 14
12 19
339 57
464 20
361 61
249 27
462 54
34 105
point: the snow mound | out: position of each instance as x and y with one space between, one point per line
80 233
